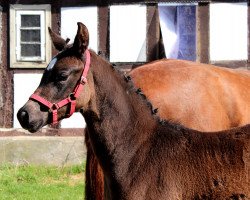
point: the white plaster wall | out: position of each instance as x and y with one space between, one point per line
228 31
24 86
127 33
87 15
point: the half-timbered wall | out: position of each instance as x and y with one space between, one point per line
129 34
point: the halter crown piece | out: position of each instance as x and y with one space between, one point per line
71 99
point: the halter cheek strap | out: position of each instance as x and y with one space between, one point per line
71 99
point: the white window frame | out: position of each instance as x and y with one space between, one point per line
16 60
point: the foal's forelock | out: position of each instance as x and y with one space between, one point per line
67 51
55 59
51 64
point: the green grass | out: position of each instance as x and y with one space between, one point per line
41 183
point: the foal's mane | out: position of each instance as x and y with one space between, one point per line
127 83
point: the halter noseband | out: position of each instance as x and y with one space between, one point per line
71 99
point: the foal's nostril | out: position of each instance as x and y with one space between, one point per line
23 116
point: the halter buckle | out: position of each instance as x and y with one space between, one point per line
83 80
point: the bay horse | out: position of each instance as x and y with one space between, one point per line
142 156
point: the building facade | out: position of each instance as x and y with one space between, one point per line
127 33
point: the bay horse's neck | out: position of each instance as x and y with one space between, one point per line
119 120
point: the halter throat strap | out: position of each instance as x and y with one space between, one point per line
71 99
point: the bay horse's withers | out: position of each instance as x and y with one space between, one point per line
141 156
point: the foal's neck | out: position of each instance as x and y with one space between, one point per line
119 120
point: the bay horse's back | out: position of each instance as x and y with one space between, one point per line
199 96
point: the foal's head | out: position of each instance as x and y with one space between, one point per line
58 94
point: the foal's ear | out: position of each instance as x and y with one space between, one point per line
57 40
81 41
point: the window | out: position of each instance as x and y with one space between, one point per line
29 40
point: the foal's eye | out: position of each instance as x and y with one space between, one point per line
62 76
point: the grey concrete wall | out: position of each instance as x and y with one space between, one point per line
43 150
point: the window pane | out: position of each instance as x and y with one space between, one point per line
30 21
30 36
28 50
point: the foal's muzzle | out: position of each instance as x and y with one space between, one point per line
27 122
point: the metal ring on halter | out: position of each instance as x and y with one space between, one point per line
72 97
54 107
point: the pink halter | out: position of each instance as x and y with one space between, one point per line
71 99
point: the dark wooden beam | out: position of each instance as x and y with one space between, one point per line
232 63
202 19
6 80
55 20
103 32
153 32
